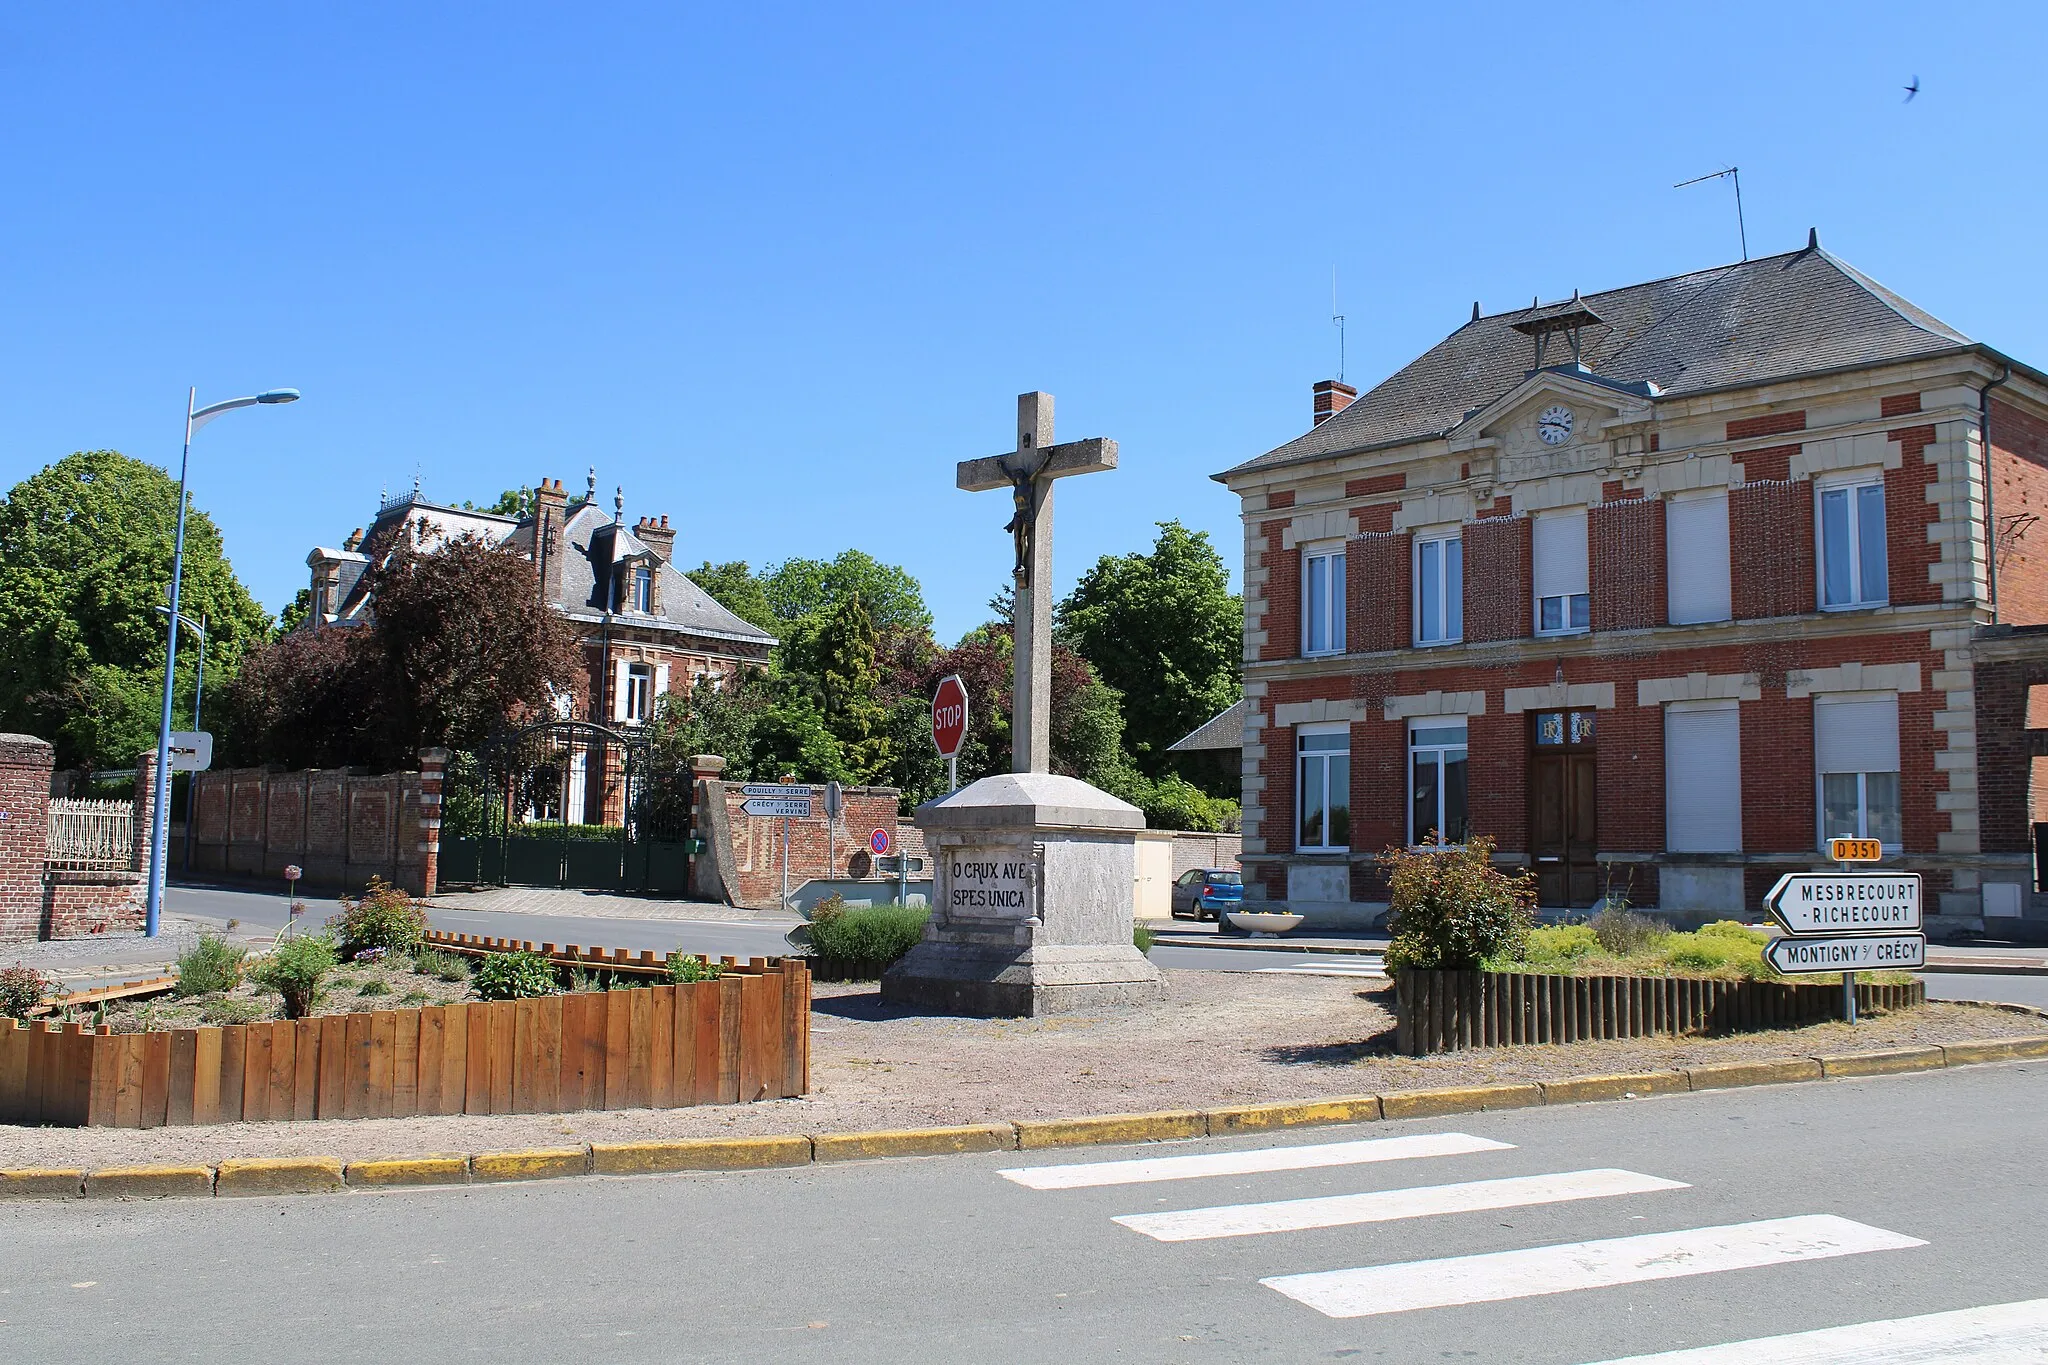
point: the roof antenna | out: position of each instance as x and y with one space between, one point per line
1734 173
1337 321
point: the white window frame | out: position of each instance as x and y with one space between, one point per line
1330 556
1302 760
1850 485
1564 599
1450 622
639 701
640 589
1862 776
1440 751
1674 569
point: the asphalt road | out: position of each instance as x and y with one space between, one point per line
1913 1195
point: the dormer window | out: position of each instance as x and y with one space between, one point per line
640 590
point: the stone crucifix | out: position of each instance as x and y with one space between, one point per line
1028 472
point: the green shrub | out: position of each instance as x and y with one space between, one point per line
21 990
684 968
1716 952
385 917
238 1010
1624 933
210 965
1141 938
1453 909
374 986
295 969
579 833
413 997
450 967
1728 928
513 976
866 940
1560 945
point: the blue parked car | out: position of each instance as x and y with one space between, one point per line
1206 892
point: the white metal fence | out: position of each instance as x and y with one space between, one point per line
91 836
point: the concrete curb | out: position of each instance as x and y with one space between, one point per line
317 1175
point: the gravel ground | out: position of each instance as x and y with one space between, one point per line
1220 1038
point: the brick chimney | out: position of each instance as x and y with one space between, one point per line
550 541
657 536
1332 397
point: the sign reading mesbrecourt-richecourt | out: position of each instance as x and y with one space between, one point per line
1846 902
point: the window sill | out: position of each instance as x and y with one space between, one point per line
1323 852
1438 644
1561 634
1322 653
1855 606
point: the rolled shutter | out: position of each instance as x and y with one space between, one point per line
1856 734
1559 551
1696 558
1703 779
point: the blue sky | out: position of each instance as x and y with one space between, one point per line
776 267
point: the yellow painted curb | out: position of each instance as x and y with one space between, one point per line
1109 1128
1994 1050
1722 1075
698 1154
34 1183
1458 1099
279 1175
1578 1089
408 1170
148 1182
1887 1063
541 1164
1247 1118
978 1137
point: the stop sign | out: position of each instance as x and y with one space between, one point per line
949 716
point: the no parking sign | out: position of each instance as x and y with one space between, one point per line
879 842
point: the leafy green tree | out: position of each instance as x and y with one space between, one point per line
851 683
803 589
85 558
739 590
295 611
1164 629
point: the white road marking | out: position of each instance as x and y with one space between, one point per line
1145 1169
1560 1269
2005 1334
1328 969
1384 1206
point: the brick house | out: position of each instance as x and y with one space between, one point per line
1659 587
646 629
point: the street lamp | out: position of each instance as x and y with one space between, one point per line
198 697
160 830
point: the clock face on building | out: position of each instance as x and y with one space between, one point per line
1554 424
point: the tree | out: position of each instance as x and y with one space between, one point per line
851 683
513 502
1165 630
85 558
305 700
295 611
807 589
735 587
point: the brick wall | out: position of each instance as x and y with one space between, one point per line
1626 541
1282 596
753 863
1498 604
1770 535
25 764
2004 690
2019 470
1377 584
1909 555
339 827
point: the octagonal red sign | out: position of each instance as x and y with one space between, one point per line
949 716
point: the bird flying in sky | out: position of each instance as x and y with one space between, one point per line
1912 90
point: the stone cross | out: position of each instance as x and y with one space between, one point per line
1028 472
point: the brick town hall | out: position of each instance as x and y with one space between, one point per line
1659 587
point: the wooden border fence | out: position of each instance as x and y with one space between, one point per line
1446 1011
743 1037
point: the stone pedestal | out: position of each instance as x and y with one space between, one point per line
1032 907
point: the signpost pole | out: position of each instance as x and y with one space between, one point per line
953 774
785 862
1849 997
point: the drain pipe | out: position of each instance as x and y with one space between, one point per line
1990 520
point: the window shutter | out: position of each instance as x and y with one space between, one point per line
1703 779
1856 735
621 675
1696 558
661 680
1560 553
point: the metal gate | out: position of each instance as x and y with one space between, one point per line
565 804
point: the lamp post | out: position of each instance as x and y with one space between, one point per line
195 418
198 698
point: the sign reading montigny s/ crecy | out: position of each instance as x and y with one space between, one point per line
992 883
1846 902
1863 953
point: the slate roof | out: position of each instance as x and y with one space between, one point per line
1223 731
1748 323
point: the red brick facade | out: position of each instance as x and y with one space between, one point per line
1497 579
1626 543
1772 523
2019 463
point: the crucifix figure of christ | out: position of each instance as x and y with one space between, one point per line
1028 472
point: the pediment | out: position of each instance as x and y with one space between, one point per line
1596 405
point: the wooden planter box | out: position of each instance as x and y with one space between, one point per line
745 1036
1446 1011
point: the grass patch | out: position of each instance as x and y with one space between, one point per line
1724 950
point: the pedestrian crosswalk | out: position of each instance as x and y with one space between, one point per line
2011 1332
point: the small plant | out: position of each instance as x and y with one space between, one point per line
210 965
233 1010
1560 945
373 986
386 916
21 990
1624 933
581 981
1728 928
1141 938
684 968
443 966
296 969
1453 909
861 943
413 997
514 976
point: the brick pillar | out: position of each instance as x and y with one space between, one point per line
433 773
25 766
145 810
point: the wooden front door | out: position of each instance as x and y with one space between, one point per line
1563 836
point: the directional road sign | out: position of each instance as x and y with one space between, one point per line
1862 953
1846 902
763 805
792 793
191 751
